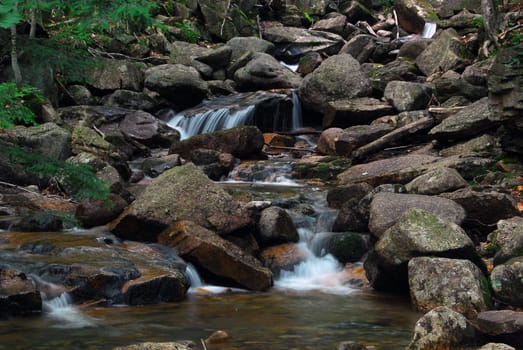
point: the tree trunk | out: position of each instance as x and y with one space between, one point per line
490 14
32 31
14 57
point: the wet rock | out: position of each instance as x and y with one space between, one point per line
264 72
275 226
241 142
153 167
181 85
387 208
351 194
344 246
436 181
154 290
457 284
442 328
293 42
326 142
355 111
338 77
502 325
407 96
507 281
181 193
392 170
214 164
18 295
484 208
130 100
468 122
446 52
116 74
283 256
96 212
416 233
216 256
508 238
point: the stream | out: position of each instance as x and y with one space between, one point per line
311 307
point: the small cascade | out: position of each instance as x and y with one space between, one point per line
297 118
323 273
429 30
194 277
62 310
211 120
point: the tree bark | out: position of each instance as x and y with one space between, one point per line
490 14
14 57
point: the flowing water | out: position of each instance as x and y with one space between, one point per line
311 306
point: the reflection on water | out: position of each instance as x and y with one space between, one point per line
275 320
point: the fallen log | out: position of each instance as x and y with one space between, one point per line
395 135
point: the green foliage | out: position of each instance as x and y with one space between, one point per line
189 34
308 17
80 179
15 104
478 22
9 14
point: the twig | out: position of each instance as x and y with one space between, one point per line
506 31
258 23
113 55
291 148
8 184
397 24
225 16
203 344
100 132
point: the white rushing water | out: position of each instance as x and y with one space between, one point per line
67 315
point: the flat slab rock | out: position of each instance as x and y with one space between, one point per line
504 325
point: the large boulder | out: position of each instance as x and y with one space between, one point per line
442 328
468 122
417 233
344 246
436 181
484 208
180 85
181 193
241 142
215 256
116 74
407 96
241 45
293 42
387 208
264 72
446 52
458 284
338 77
502 325
400 169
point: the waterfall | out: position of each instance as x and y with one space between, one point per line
209 121
194 277
297 119
62 310
429 30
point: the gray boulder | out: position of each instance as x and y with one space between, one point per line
181 193
116 74
344 246
179 84
457 284
241 45
446 52
436 181
275 226
442 328
129 99
264 72
48 139
503 325
407 96
468 122
354 111
387 208
338 77
353 137
417 233
361 47
508 238
507 281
